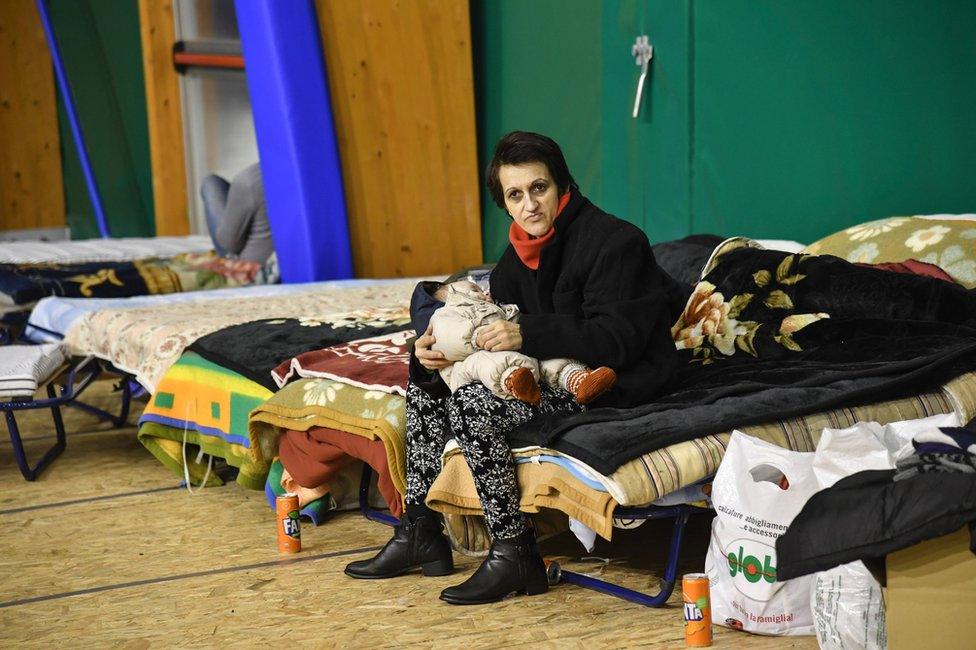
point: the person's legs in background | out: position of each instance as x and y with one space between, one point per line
213 191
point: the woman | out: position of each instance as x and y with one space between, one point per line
588 288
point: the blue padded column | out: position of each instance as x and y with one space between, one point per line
289 92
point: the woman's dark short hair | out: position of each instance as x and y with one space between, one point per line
519 148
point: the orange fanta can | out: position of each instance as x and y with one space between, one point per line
289 527
698 609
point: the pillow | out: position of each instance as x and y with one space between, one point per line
947 243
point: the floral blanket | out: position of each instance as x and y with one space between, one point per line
315 402
147 341
767 336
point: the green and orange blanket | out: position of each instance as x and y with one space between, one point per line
203 401
205 406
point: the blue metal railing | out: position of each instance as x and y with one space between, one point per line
69 106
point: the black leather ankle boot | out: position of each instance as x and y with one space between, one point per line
417 542
512 565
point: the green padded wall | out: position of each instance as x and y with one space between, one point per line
770 119
100 45
810 116
524 80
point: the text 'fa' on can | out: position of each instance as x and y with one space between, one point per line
289 527
698 609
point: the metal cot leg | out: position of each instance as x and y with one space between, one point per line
116 420
31 473
68 396
364 507
556 574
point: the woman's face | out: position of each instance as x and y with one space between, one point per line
531 196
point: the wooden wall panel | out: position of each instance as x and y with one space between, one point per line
165 117
400 74
31 191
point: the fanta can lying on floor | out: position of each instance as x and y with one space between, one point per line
289 527
698 609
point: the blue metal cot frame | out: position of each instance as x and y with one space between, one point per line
679 513
79 377
71 111
13 329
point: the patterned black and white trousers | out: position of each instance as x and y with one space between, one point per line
478 420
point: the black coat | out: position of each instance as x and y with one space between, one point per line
598 296
868 515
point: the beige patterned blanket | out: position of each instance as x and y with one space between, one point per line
147 341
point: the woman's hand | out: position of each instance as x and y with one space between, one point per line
500 335
430 359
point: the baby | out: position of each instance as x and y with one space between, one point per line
508 374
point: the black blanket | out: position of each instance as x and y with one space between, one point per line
770 335
683 259
254 349
25 284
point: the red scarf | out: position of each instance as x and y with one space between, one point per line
529 248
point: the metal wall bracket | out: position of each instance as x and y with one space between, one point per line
643 52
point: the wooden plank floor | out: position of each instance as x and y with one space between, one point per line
104 550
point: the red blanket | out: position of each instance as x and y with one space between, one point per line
314 457
378 363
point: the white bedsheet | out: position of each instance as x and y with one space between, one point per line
785 245
101 250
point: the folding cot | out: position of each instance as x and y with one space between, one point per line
902 353
633 485
141 337
665 471
77 378
21 287
557 574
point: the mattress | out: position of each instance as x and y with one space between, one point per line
57 314
661 472
146 341
664 471
101 250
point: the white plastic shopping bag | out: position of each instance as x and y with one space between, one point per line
848 609
846 602
758 489
898 435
